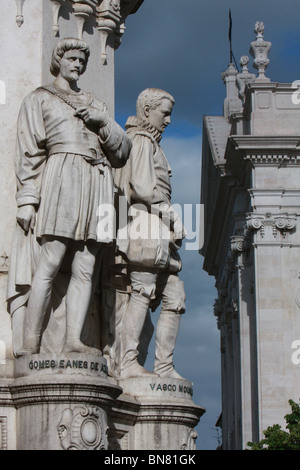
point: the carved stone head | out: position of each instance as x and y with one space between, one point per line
155 107
68 44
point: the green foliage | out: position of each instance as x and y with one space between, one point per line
278 439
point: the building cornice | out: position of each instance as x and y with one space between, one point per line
261 143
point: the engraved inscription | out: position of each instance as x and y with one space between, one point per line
167 387
67 364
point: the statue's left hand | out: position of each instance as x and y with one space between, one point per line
26 217
92 116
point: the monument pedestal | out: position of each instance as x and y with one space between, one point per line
68 402
163 414
62 402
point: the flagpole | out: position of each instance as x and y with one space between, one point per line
230 33
231 58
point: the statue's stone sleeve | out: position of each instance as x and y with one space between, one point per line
30 151
143 177
115 143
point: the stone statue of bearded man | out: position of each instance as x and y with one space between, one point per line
66 148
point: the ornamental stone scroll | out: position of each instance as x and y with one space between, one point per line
84 428
237 243
272 224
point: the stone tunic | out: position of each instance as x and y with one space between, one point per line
64 167
146 176
145 179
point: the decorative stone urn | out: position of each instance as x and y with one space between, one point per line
259 50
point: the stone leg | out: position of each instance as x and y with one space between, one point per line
173 297
18 323
143 289
78 296
52 254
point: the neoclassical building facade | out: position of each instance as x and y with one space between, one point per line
251 196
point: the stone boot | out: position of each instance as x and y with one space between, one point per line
133 323
166 334
135 370
31 345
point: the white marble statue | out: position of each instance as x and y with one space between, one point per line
152 259
66 148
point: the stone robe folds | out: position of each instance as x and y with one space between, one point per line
63 167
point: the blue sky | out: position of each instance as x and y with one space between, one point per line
182 46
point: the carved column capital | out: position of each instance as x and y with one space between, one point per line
237 243
240 249
269 226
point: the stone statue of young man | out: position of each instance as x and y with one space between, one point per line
66 148
153 263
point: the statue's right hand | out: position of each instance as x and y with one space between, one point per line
26 216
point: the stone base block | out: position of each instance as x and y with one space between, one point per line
62 402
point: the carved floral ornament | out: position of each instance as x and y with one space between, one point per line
107 13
